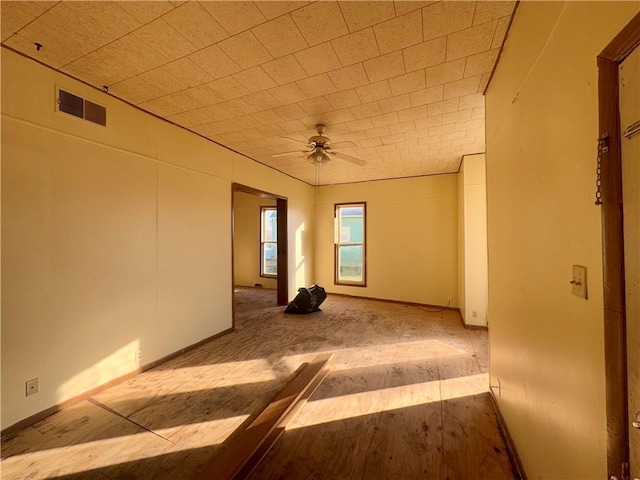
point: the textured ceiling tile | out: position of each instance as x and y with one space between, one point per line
446 72
445 106
107 16
317 86
136 53
400 32
169 104
363 14
413 113
287 94
59 48
163 38
320 22
262 101
237 106
459 116
284 70
228 87
484 82
426 54
443 18
386 120
340 116
428 95
392 139
163 81
378 132
235 17
385 66
187 72
355 136
135 90
102 67
146 12
349 77
471 101
280 36
470 41
459 88
407 6
245 50
487 11
267 117
407 83
318 59
196 25
293 126
315 106
15 15
357 125
290 112
481 63
501 31
469 125
273 9
214 113
254 79
374 91
368 110
402 127
345 99
395 104
356 47
478 112
204 95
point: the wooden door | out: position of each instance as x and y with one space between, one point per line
629 80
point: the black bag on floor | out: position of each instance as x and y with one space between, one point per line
307 300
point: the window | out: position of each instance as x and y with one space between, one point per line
268 242
350 236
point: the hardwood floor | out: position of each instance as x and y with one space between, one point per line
406 398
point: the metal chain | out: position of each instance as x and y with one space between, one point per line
603 147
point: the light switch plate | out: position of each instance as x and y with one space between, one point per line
579 281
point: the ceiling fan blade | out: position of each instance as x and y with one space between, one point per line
349 158
294 140
286 154
344 145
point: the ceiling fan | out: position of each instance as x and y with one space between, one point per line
321 149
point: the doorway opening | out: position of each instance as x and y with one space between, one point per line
250 250
615 315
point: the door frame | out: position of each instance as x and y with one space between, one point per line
615 347
283 242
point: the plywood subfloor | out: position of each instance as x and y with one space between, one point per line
406 398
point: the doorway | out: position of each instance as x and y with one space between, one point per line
621 329
246 235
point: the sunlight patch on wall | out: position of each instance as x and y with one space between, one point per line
300 259
117 364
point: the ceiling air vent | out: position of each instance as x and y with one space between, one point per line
81 108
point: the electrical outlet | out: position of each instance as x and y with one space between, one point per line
138 357
474 314
32 387
448 300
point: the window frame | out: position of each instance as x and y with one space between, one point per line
337 244
263 242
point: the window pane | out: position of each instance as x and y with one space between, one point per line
350 263
270 260
351 229
270 225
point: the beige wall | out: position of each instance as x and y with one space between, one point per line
546 344
411 238
114 240
246 240
472 240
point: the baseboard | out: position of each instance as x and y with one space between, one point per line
89 393
401 302
508 440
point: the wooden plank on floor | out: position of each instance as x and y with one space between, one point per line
242 448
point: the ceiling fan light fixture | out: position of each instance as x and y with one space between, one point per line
318 157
